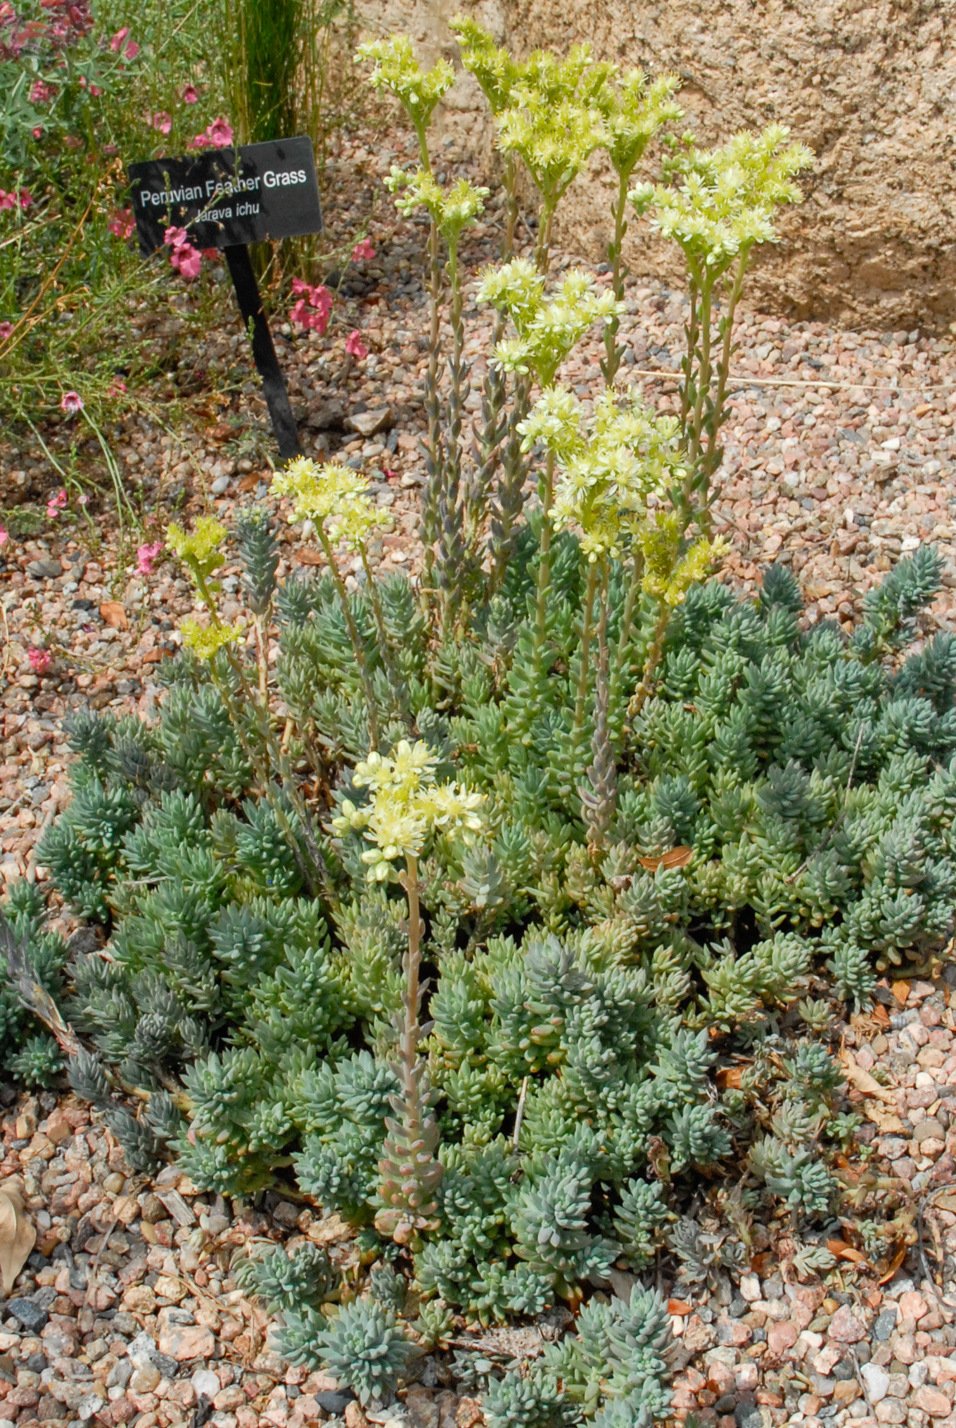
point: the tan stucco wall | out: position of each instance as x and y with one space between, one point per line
869 85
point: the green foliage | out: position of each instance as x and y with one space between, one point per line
80 95
35 959
362 1344
507 916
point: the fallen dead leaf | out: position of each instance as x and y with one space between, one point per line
843 1251
679 1308
17 1235
888 1122
863 1082
113 614
893 1264
673 858
729 1078
901 991
307 556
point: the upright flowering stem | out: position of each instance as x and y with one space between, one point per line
409 1167
651 660
614 353
542 250
450 527
711 455
435 481
584 669
357 645
385 643
413 958
600 797
544 558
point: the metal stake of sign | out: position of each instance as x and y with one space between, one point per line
228 198
263 350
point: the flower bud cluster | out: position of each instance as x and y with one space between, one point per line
397 69
725 200
609 464
406 808
548 325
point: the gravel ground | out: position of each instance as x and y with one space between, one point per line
839 454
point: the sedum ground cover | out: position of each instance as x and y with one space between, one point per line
505 915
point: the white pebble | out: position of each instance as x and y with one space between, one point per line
204 1381
877 1382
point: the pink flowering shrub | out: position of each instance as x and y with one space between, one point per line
355 347
312 308
78 103
147 555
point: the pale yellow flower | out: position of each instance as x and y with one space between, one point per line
207 640
332 496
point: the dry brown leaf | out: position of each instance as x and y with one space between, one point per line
729 1078
901 991
946 1201
113 614
17 1235
842 1250
892 1265
308 556
674 858
863 1082
679 1308
888 1122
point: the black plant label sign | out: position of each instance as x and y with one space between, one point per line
226 197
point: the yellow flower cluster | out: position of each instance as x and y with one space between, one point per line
397 69
548 326
493 67
452 208
198 548
633 113
207 640
725 202
609 465
406 807
668 574
334 497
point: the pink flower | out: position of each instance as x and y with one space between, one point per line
71 402
116 388
220 133
7 200
389 474
314 307
190 94
6 330
217 135
355 347
121 223
24 197
40 660
175 237
146 556
187 261
161 121
116 43
56 504
37 131
41 92
4 535
131 50
363 250
211 255
95 91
